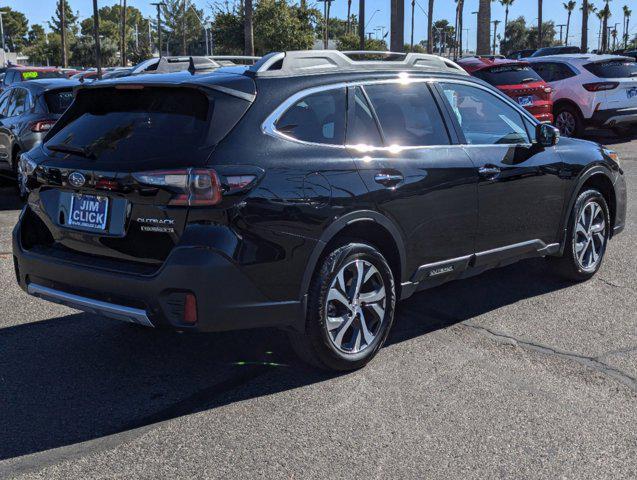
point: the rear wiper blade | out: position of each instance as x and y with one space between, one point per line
64 148
528 80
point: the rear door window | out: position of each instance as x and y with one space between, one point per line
408 114
317 118
4 102
362 128
613 69
18 104
58 101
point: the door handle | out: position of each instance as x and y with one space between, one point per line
389 179
489 171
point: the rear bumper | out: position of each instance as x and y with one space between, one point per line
226 298
616 117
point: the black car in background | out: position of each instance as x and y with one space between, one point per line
28 110
309 192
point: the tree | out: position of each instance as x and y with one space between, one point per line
516 36
248 28
570 6
548 34
185 29
627 13
444 34
606 14
506 4
397 25
227 30
587 8
350 42
83 51
37 48
279 26
64 23
430 16
16 27
484 27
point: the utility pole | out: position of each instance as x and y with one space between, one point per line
63 32
96 37
158 5
183 28
561 25
136 37
123 51
2 31
361 24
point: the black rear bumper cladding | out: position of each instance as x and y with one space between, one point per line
623 117
226 298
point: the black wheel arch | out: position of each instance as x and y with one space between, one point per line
600 178
566 102
349 223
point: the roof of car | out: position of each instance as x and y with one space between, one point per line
48 84
473 64
578 58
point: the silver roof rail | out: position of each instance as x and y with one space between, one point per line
308 62
231 59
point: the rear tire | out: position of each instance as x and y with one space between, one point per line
351 306
569 121
586 238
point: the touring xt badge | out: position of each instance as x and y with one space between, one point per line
158 225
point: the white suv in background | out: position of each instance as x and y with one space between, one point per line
591 91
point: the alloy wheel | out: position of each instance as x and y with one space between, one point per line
355 306
590 236
566 123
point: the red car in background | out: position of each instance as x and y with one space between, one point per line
516 79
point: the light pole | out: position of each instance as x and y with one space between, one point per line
561 25
205 29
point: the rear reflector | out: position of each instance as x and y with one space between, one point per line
190 309
600 86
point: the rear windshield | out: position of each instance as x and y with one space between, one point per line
59 100
34 75
613 69
152 127
508 75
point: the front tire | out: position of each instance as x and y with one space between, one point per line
351 306
586 237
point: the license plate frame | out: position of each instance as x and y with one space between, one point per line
91 215
525 101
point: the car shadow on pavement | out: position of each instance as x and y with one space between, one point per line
80 377
9 199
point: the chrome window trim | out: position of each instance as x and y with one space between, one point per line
268 126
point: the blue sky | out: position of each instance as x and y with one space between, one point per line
39 11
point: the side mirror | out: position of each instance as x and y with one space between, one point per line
547 135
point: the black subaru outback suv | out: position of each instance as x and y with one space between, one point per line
309 192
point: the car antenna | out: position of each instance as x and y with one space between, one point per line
191 67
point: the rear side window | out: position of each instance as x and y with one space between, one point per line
408 114
317 118
614 69
362 128
18 104
508 75
151 127
58 101
553 72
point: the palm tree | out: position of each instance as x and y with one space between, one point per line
397 24
459 13
627 13
539 24
484 27
495 33
586 8
606 15
430 37
506 4
570 6
600 15
248 29
349 15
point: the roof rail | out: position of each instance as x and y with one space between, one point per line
232 59
308 62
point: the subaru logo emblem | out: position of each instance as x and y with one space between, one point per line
77 179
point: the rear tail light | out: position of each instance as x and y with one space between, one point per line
190 187
190 309
42 126
600 86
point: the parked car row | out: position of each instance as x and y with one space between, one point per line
574 91
309 192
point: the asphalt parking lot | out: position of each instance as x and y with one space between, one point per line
512 374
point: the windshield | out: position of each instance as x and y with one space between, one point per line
613 69
58 100
35 74
154 126
508 75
